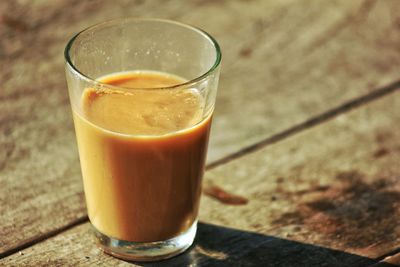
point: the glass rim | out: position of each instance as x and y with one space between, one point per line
188 83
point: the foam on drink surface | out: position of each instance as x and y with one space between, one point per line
146 111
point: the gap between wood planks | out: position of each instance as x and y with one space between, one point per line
313 121
38 239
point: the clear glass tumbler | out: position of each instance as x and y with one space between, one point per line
142 189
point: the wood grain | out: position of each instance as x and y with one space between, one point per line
328 196
335 185
284 61
214 246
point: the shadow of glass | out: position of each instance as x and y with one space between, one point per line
222 246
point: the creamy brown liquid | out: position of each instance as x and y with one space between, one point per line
142 154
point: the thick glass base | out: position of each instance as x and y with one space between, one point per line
147 251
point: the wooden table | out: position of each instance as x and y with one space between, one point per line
303 168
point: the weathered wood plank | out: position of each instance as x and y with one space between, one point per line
334 187
295 60
214 246
283 62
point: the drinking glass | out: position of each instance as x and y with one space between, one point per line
142 190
